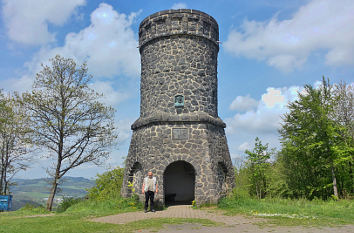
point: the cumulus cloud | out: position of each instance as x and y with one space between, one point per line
266 118
243 103
321 25
244 146
18 84
124 130
179 5
111 96
263 121
108 45
27 21
272 97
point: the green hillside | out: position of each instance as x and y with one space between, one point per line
35 191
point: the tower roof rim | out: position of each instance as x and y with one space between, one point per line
190 11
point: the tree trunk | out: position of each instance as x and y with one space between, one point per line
6 187
335 190
1 181
52 194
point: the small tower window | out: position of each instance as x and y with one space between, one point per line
179 101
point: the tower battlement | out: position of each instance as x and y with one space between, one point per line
178 22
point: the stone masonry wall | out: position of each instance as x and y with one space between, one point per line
175 65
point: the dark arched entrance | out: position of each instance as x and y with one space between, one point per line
179 180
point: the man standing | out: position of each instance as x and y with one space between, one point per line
149 188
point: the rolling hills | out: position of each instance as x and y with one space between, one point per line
36 191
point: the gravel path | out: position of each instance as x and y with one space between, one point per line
232 223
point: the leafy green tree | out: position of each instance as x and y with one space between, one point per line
313 143
14 141
258 163
276 179
108 185
69 122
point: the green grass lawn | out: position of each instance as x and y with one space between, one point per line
78 222
76 218
292 212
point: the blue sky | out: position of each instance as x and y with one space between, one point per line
269 50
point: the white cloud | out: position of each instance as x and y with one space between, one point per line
273 97
243 103
108 45
321 25
179 5
244 146
111 96
124 130
20 85
262 121
27 21
266 118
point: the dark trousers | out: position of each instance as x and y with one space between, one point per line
149 195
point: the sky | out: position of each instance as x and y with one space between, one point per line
269 50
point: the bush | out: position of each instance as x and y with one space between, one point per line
29 209
108 185
66 203
108 206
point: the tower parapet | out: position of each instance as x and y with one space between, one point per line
178 22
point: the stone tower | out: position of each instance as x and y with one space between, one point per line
179 136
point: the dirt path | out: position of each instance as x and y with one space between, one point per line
232 223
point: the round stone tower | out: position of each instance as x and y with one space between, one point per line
179 136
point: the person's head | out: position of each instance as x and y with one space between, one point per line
150 174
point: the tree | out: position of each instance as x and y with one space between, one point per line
313 143
68 120
14 141
258 162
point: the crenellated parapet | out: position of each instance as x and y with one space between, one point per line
178 22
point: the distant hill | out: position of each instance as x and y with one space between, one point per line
36 191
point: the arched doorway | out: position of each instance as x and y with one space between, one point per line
179 180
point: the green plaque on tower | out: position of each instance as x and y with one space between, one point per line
179 101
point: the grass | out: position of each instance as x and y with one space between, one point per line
75 219
292 212
27 210
78 223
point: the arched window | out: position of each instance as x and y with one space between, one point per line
221 178
135 178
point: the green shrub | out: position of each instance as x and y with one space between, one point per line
108 206
67 202
108 185
29 209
